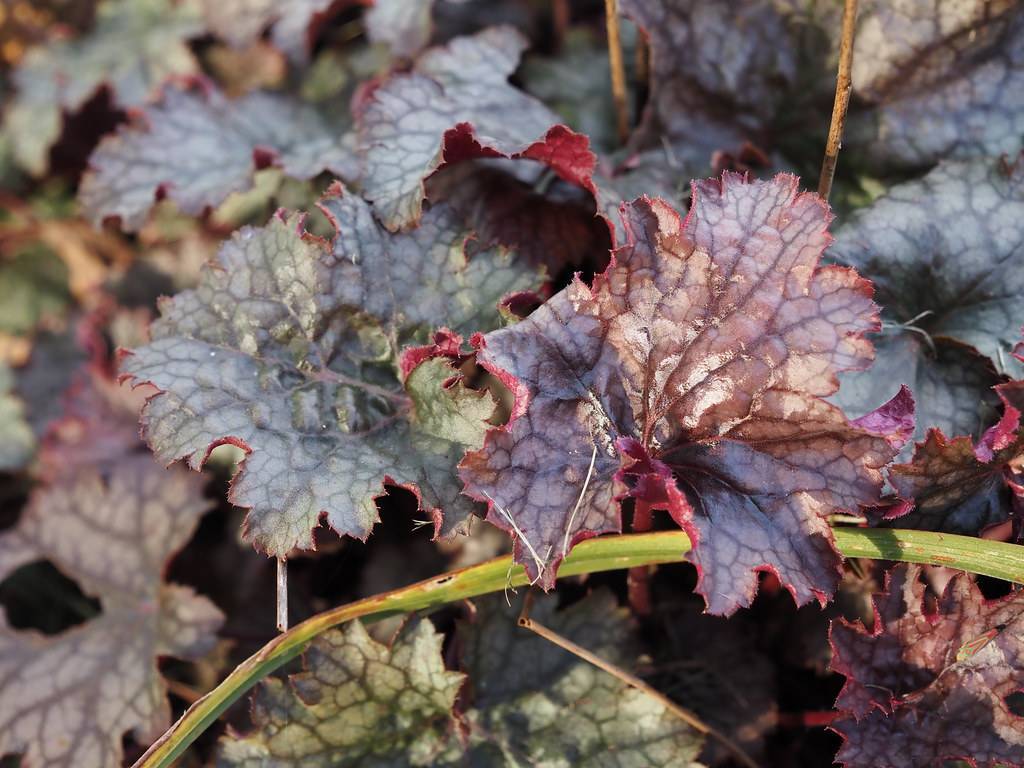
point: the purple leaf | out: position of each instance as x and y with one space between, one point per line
690 377
930 682
957 486
68 699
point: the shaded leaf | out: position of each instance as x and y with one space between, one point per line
17 441
944 254
689 377
503 201
533 703
959 487
457 104
134 46
528 701
717 668
654 173
196 147
952 383
291 349
68 699
720 75
929 683
357 702
937 81
930 81
51 367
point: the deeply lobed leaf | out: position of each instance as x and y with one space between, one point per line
930 682
956 486
67 700
690 378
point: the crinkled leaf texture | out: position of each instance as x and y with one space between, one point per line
457 104
959 487
196 147
133 47
533 703
66 700
931 80
937 80
924 686
527 701
945 255
690 378
291 348
358 703
720 73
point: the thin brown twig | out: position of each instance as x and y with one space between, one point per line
611 12
561 15
683 714
843 87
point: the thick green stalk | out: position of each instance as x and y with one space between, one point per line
607 553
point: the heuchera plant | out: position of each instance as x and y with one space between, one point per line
504 296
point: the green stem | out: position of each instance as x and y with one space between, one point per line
607 553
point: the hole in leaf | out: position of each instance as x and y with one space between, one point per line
81 133
38 596
13 497
1015 703
993 589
